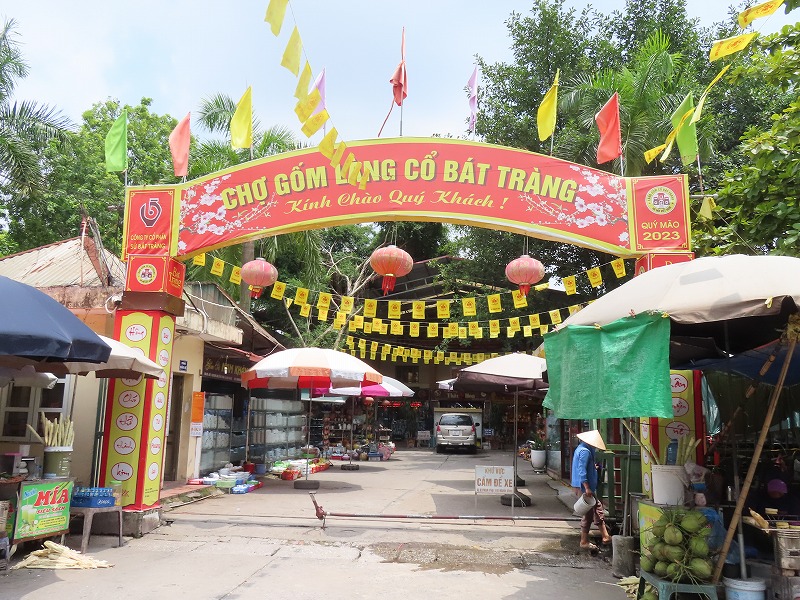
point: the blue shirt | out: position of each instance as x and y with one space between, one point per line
583 468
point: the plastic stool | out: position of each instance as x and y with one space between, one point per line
667 588
5 551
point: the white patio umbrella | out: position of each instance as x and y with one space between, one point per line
27 377
309 368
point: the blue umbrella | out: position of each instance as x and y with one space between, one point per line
36 327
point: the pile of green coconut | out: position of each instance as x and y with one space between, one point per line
677 549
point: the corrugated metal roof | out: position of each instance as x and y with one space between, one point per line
70 262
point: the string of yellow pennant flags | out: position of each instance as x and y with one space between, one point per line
310 108
361 315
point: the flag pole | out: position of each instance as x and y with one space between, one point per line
699 173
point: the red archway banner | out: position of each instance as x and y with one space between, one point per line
413 179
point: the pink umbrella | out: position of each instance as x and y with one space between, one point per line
389 387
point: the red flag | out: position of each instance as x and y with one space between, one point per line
179 147
607 119
399 81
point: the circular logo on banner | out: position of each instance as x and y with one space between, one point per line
158 422
163 358
645 431
127 421
129 399
146 274
159 400
646 482
122 471
646 458
166 335
679 406
661 200
162 380
676 429
152 471
132 382
155 445
124 445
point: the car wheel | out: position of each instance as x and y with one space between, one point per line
438 449
473 449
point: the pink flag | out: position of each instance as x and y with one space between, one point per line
473 99
179 141
607 119
399 80
319 83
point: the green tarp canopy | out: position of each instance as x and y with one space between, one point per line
618 370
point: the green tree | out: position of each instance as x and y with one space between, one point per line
78 185
758 208
25 126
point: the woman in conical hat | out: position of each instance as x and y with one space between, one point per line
584 481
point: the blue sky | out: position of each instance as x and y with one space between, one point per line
180 51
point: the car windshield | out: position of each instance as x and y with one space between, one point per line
463 420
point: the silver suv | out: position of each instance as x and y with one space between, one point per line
456 430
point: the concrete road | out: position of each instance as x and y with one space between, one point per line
270 544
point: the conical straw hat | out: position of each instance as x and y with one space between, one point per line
593 438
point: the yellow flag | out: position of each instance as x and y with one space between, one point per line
699 108
534 320
543 329
301 91
236 275
351 325
418 309
324 300
394 309
396 328
350 341
301 296
510 333
555 316
305 310
344 170
759 11
595 277
347 304
443 309
541 286
520 299
427 354
495 304
354 174
340 318
362 343
731 45
367 326
315 123
322 314
217 267
469 307
373 346
362 182
513 323
569 285
494 327
242 121
413 329
337 155
473 327
307 105
433 330
359 321
650 155
574 308
277 290
546 115
706 208
618 265
452 329
327 146
276 11
527 331
370 307
291 56
199 260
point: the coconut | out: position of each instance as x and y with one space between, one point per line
673 535
674 553
693 522
698 547
646 563
700 568
660 568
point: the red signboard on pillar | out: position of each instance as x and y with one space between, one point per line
149 226
650 261
660 214
155 274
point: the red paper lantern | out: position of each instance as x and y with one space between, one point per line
391 262
525 271
259 274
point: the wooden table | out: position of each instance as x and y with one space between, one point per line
88 514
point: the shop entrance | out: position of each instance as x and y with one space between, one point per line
173 429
